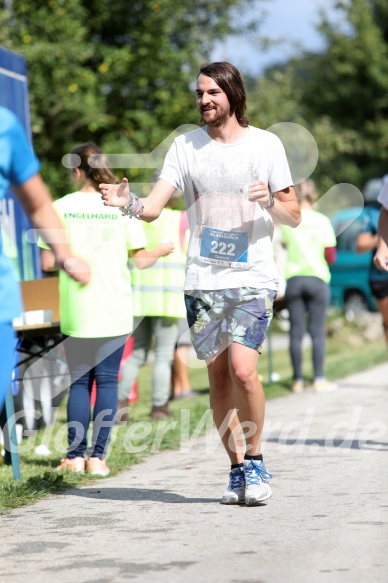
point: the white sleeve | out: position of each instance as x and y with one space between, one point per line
171 167
279 170
383 195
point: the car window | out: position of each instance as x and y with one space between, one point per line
346 241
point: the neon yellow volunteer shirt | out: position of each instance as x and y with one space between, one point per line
306 246
158 291
103 237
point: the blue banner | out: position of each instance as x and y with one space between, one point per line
14 223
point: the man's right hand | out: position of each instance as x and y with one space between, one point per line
115 194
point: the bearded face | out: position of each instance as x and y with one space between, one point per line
212 102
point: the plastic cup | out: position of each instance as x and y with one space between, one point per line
245 190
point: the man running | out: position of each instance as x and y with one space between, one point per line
235 180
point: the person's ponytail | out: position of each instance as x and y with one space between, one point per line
94 164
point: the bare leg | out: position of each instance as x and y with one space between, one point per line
180 376
222 402
383 309
249 395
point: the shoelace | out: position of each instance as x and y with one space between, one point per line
237 480
257 473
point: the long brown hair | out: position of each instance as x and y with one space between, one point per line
306 190
102 173
229 80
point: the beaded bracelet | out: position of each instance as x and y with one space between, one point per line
133 208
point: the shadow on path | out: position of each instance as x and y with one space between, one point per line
332 443
352 385
137 495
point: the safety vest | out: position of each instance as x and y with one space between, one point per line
158 290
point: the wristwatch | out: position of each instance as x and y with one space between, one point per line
271 202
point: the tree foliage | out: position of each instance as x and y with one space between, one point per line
121 74
113 72
340 95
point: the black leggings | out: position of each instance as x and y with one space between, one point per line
306 295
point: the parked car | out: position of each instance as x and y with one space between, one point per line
350 273
349 284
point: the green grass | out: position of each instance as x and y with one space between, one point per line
39 477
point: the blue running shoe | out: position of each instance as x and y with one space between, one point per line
257 488
235 492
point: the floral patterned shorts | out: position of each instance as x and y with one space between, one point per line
244 314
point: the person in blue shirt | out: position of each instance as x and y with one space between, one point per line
19 168
367 240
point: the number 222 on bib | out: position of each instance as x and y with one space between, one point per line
229 249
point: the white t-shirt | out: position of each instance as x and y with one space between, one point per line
383 194
230 237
